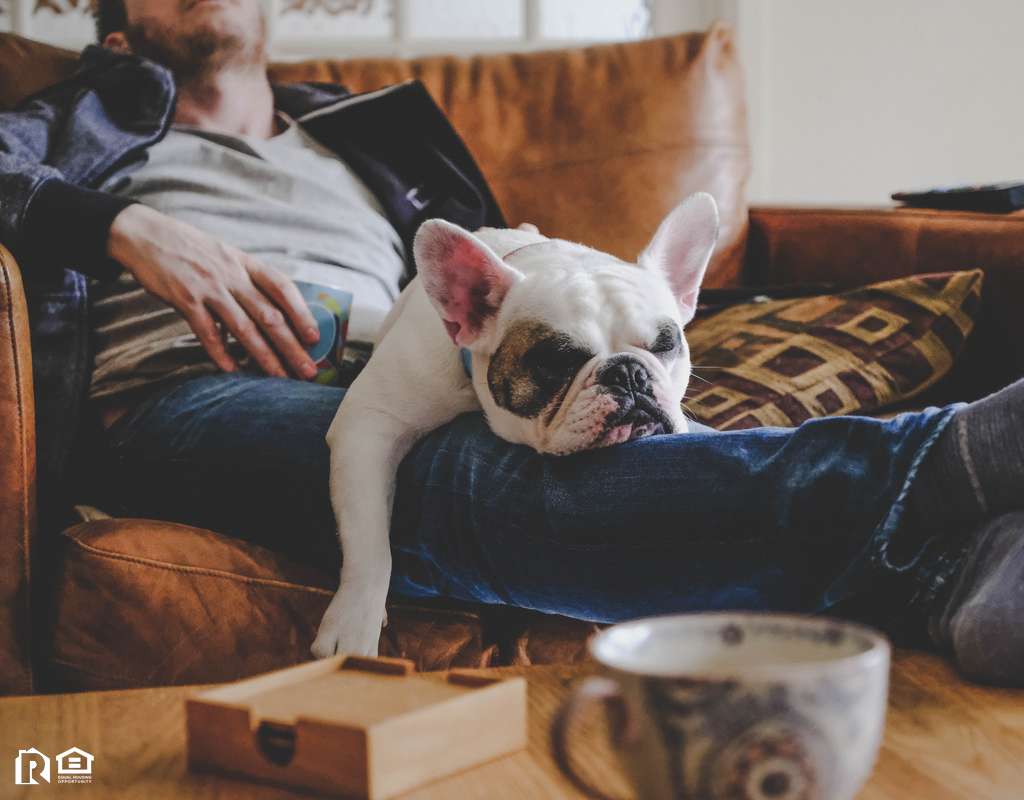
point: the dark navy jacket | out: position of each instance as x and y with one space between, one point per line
59 144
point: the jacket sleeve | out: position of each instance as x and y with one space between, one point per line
48 223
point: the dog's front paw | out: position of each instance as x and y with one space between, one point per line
350 626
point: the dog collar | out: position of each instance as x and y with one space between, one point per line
522 247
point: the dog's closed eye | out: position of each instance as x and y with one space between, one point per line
531 366
556 358
668 342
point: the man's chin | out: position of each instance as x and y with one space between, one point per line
208 45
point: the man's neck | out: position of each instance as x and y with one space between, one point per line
236 101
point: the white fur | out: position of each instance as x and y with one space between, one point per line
415 381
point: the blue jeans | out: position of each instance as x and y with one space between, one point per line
801 520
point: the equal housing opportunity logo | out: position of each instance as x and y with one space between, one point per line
73 766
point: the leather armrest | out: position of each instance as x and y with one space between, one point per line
851 247
18 487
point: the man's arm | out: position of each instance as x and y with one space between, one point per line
98 234
51 224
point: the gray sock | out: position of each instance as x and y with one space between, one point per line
981 623
975 471
973 480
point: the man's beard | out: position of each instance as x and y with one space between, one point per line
200 54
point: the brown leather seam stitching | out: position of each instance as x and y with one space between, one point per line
9 292
899 213
642 151
214 573
463 616
105 673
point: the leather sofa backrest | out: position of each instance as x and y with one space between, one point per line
27 66
595 145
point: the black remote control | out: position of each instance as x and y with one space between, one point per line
997 198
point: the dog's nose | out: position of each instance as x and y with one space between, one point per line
626 373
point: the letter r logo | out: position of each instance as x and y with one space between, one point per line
27 762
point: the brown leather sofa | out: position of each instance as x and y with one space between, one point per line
594 145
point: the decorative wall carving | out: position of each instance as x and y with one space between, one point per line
333 7
64 6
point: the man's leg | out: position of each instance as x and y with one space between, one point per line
774 519
977 470
779 519
980 622
974 479
762 519
241 455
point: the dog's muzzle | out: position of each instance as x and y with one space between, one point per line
628 380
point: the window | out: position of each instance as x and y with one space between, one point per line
342 28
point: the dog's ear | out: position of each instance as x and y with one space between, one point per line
682 247
465 280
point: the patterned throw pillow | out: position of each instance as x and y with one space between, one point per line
784 361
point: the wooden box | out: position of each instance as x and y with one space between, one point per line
364 727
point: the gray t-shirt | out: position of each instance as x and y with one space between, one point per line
287 200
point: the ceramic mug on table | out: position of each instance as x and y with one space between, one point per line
736 706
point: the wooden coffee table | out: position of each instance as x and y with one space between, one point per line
944 740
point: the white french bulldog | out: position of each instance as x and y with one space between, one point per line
571 349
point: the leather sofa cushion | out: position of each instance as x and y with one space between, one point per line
140 603
595 145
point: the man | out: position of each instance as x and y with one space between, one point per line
914 523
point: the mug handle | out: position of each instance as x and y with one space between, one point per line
624 726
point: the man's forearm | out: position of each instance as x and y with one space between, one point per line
66 226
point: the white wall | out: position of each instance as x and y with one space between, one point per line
853 99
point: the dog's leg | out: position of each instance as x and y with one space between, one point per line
413 384
365 452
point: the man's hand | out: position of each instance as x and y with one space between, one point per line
209 282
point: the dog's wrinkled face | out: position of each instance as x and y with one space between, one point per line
572 348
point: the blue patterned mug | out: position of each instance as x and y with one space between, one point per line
736 706
330 307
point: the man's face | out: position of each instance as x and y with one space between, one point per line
192 36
